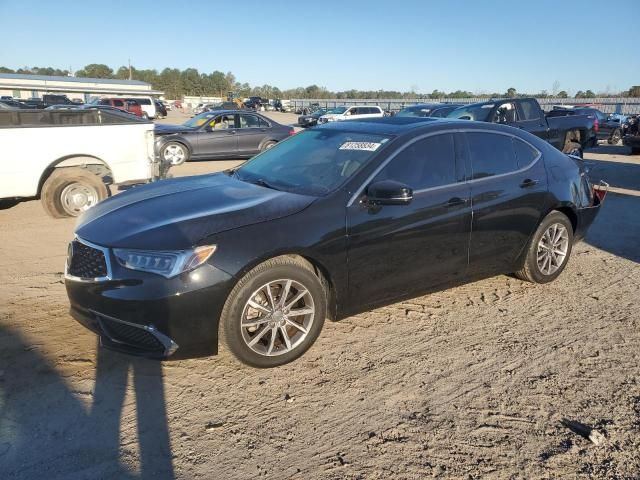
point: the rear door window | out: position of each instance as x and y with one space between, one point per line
249 121
118 103
427 163
525 153
491 154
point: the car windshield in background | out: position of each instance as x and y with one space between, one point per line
479 113
417 111
314 162
337 110
199 120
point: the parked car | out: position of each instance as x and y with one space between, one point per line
68 158
161 110
220 106
256 103
218 134
340 114
631 134
282 105
47 100
148 105
570 134
429 110
130 106
12 105
605 127
311 120
337 220
167 105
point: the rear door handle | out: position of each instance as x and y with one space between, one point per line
455 201
528 183
231 132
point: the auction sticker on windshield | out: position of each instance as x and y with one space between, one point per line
367 146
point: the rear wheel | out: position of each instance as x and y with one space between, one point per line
70 191
267 146
549 250
615 137
274 314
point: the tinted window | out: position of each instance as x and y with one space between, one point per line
104 102
427 163
443 112
118 103
530 110
263 122
525 154
491 154
249 121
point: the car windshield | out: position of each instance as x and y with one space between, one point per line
199 120
337 110
479 113
314 162
415 111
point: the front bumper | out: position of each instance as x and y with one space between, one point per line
149 315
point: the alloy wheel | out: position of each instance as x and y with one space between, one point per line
552 249
277 317
174 154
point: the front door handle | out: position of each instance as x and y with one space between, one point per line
231 132
528 183
455 201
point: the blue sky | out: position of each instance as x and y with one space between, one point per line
480 46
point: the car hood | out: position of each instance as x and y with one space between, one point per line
180 213
166 129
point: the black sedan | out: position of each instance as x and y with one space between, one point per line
336 220
218 134
311 119
439 110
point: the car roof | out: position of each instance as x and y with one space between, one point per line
401 125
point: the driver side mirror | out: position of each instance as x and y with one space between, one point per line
389 192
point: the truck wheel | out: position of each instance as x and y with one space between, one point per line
70 191
615 137
635 151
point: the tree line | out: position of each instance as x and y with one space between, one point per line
176 83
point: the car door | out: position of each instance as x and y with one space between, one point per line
218 137
397 249
531 119
508 195
250 133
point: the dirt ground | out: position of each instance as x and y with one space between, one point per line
467 383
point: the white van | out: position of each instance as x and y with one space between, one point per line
339 114
147 104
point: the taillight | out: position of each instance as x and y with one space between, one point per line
292 132
600 190
596 125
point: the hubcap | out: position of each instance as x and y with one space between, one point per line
552 249
277 317
174 154
76 198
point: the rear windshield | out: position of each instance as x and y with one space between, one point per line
314 162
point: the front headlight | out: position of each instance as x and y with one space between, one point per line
165 263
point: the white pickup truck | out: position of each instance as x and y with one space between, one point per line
68 158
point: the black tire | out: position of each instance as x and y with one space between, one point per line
635 151
267 145
56 199
530 270
272 270
615 137
165 156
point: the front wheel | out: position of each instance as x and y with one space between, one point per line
274 314
174 153
549 250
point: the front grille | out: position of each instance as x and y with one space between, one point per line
86 262
131 335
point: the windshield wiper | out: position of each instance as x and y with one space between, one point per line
263 183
